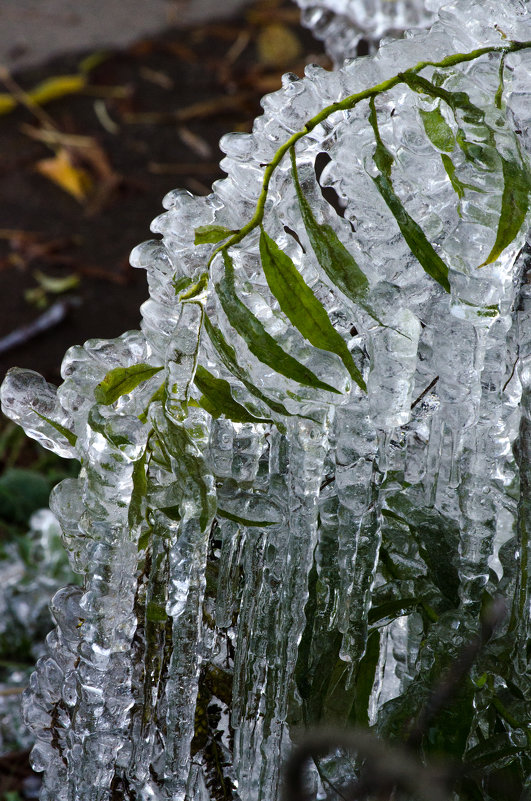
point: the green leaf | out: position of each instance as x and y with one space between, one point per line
365 679
139 491
67 434
415 237
155 612
190 465
515 204
181 283
122 380
382 156
210 234
198 288
456 100
498 98
260 343
300 305
449 166
389 610
243 520
217 398
437 129
338 264
230 360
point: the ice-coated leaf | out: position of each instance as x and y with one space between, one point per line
243 521
382 157
177 441
456 100
122 380
300 305
260 343
388 610
67 434
437 129
217 398
229 359
515 204
449 166
336 261
139 491
365 678
210 234
415 237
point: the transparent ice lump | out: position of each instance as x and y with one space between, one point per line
173 670
29 576
342 24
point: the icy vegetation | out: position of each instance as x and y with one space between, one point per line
307 474
341 24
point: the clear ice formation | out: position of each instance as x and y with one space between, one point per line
342 24
225 562
29 576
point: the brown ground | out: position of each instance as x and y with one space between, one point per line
197 85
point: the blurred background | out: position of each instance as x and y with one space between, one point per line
105 105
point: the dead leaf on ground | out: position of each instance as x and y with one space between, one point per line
61 171
46 91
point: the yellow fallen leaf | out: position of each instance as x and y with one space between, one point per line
7 103
61 171
54 88
277 45
48 90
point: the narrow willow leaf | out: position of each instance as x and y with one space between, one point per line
210 234
158 395
260 343
411 231
196 289
139 491
449 166
415 237
389 610
67 434
485 155
456 100
174 439
338 264
229 359
515 203
437 130
365 679
57 87
243 521
217 398
382 156
498 97
300 305
181 283
122 380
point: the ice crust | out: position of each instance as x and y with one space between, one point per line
184 649
342 24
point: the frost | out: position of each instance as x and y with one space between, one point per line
254 534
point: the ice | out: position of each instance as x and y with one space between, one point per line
341 24
239 564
